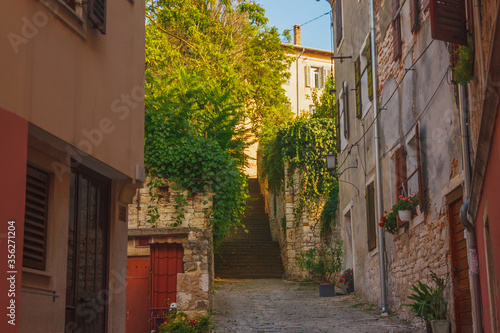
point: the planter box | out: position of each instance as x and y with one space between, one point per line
405 215
326 290
440 326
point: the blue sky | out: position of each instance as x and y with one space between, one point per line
284 14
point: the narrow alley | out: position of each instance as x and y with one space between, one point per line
271 305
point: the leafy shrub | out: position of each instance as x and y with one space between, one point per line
180 323
321 262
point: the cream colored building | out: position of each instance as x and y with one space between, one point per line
71 145
309 70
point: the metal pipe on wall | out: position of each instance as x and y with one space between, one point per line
383 297
297 79
464 212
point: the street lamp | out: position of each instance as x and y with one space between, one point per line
330 162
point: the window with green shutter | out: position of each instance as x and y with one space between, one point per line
368 52
357 75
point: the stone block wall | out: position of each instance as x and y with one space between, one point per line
194 210
194 285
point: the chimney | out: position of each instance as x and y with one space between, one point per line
296 34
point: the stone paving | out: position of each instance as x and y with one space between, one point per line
262 305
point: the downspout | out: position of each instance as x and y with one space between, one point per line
383 299
464 212
297 79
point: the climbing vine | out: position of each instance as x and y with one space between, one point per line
302 145
199 165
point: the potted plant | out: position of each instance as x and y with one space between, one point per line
347 279
430 305
406 207
389 222
463 62
179 322
321 262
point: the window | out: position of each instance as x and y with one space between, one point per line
339 35
414 15
312 109
448 21
97 14
370 217
407 166
364 80
142 241
35 220
396 24
343 113
316 76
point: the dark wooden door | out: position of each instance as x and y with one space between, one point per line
460 271
86 292
138 294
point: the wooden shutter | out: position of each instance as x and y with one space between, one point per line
448 21
97 14
420 176
357 76
368 52
400 168
370 216
321 77
338 14
308 75
396 24
414 15
35 218
345 102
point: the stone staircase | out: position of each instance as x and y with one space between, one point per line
252 255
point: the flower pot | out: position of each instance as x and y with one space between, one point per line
440 326
326 290
350 289
405 215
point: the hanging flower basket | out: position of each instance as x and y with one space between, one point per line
404 215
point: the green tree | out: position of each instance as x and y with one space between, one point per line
214 76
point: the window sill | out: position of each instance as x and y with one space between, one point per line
37 272
67 15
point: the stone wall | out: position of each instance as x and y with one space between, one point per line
188 224
193 212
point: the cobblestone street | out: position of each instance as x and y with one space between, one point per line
284 306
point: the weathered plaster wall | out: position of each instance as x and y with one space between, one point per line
421 95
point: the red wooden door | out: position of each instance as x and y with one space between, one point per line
138 283
460 271
166 262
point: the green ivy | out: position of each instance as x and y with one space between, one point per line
302 144
330 211
199 165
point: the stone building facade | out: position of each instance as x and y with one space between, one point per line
188 226
419 144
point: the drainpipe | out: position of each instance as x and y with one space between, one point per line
464 212
383 299
297 79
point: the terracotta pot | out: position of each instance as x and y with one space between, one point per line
326 290
440 326
405 215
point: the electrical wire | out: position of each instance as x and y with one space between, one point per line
314 19
389 99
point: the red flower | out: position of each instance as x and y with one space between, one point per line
383 219
381 224
385 212
320 255
405 198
